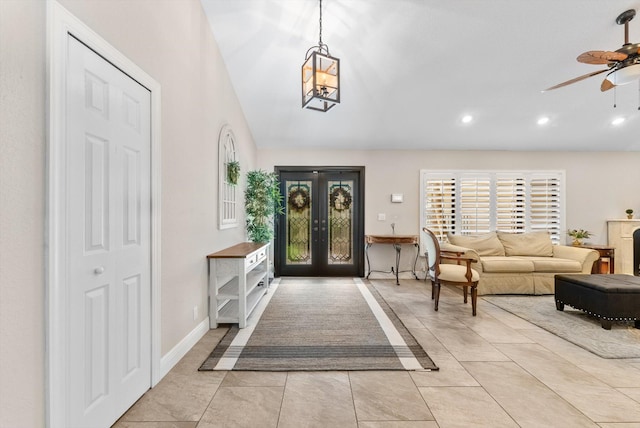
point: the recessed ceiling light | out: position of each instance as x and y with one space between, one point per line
467 118
617 121
543 120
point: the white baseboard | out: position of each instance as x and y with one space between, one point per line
171 358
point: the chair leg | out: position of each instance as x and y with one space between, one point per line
436 285
474 299
464 293
433 289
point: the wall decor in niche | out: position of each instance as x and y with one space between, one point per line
233 172
228 178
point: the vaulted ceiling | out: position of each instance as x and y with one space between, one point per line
411 69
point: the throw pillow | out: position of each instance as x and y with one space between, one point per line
486 244
527 244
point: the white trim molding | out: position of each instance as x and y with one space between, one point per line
171 358
60 24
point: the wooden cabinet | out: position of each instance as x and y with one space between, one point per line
238 278
606 261
620 235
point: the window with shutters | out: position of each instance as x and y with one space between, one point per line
471 202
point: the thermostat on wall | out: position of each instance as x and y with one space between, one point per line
396 198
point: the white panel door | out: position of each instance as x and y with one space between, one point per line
108 194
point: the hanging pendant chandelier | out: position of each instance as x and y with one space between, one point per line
320 76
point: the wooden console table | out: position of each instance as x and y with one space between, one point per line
396 241
605 263
237 281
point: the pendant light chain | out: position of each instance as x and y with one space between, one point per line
320 21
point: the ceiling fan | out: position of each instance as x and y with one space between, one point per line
623 64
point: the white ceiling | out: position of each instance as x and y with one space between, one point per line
410 69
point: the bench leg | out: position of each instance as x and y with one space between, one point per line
606 324
559 305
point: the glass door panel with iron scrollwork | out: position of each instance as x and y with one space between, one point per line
340 222
298 222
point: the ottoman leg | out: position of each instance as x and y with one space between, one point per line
637 323
606 324
559 305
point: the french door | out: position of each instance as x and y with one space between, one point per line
322 230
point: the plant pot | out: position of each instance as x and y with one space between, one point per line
630 216
577 242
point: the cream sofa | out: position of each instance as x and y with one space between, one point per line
519 263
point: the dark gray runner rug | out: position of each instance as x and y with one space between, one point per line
322 324
575 326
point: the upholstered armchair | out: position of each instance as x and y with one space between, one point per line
459 274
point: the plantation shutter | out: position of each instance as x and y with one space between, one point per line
439 204
510 203
471 202
545 205
475 205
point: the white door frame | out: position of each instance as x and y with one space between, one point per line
61 23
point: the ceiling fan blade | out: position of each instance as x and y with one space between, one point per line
606 85
601 57
576 79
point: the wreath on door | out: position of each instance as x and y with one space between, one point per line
340 199
299 199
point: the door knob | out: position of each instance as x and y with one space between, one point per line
99 270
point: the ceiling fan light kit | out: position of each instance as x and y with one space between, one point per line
320 77
623 64
624 75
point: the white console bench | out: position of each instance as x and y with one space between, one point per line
238 278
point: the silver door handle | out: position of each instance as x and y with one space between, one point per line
99 270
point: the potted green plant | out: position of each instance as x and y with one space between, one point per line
629 212
578 235
263 200
233 172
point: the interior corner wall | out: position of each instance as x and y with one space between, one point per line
22 169
599 185
172 42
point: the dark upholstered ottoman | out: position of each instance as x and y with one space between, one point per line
608 297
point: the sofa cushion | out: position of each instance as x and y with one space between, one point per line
526 244
553 264
486 244
506 264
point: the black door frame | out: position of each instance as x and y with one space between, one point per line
358 244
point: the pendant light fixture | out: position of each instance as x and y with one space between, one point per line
320 76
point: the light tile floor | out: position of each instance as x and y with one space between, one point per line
496 370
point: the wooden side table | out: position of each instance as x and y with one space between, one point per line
604 264
396 241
